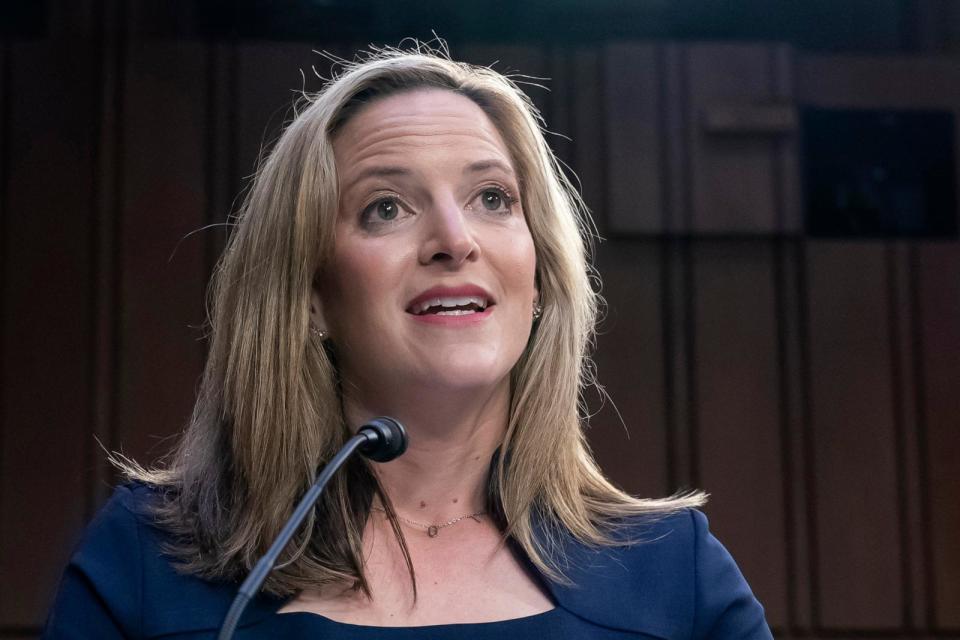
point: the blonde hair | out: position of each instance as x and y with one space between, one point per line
269 414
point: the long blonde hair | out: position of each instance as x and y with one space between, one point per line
269 414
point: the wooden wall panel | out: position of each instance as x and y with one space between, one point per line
901 286
738 410
823 374
733 176
939 307
679 368
854 465
881 82
221 168
632 98
270 76
162 250
795 427
630 366
47 445
589 152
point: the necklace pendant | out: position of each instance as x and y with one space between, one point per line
433 530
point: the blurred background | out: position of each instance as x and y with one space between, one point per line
775 182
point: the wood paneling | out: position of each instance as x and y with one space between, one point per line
795 428
857 536
734 178
47 445
879 82
162 257
901 285
630 361
671 169
270 76
679 369
589 149
809 386
939 308
737 382
632 109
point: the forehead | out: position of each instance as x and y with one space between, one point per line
422 119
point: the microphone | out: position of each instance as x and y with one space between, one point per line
382 439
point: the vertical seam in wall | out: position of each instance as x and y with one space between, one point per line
5 116
117 226
896 383
776 150
211 58
687 266
806 404
780 315
91 462
669 385
786 459
233 134
686 148
666 273
689 325
666 195
920 381
604 160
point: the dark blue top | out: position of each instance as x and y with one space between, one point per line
678 583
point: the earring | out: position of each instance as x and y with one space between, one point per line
320 333
537 310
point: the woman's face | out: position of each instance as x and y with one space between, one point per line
432 280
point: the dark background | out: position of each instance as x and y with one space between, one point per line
796 356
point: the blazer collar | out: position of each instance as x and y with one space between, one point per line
645 587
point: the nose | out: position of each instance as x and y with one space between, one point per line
449 239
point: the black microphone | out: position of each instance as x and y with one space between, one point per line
382 439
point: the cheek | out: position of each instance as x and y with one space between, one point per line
520 263
358 281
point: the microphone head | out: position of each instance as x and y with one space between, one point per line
386 439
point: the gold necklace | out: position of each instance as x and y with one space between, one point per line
433 530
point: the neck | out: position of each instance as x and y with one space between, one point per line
445 471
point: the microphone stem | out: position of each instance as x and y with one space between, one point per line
262 569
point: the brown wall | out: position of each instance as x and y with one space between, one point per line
809 385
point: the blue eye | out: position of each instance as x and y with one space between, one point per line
496 200
386 209
492 200
381 212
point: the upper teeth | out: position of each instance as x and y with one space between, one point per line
423 305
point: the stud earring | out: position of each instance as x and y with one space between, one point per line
320 333
537 310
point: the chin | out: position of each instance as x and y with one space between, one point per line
467 369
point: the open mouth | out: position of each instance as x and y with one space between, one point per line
450 306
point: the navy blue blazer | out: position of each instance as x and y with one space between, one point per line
679 583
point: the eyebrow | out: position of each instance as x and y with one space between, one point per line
483 165
378 172
392 171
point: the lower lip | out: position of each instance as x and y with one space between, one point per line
464 320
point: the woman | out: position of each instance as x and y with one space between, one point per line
409 248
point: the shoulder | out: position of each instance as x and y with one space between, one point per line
122 569
670 578
105 571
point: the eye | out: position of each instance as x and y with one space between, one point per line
382 211
491 200
497 200
385 209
